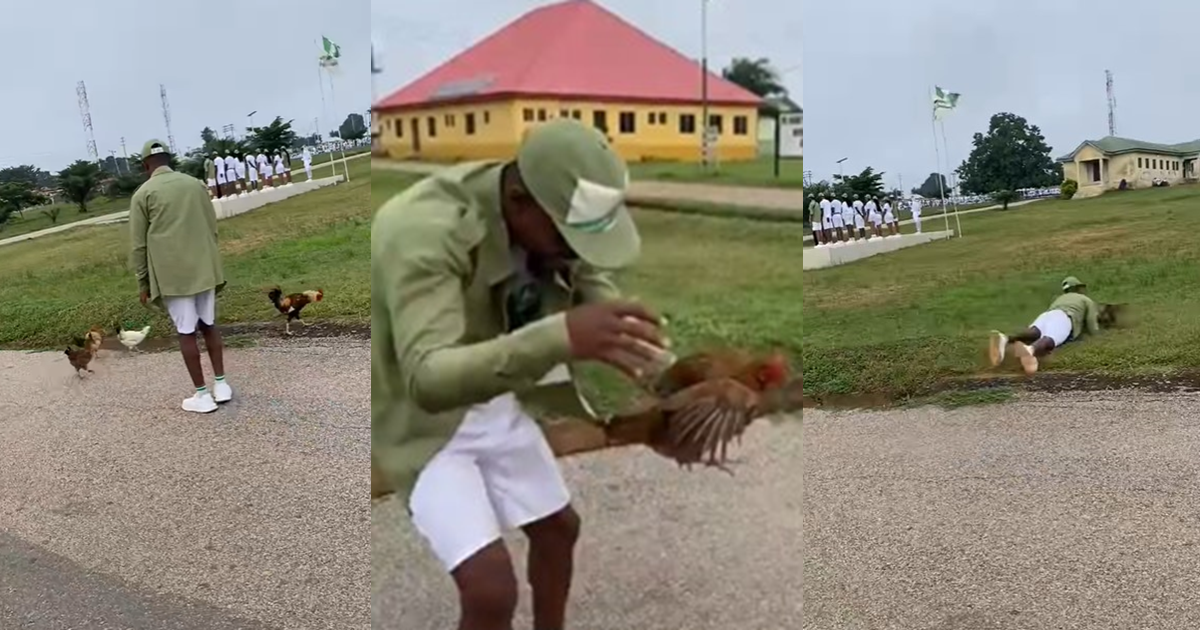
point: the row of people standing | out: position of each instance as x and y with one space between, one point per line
237 175
840 221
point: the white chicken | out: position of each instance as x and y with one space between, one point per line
131 338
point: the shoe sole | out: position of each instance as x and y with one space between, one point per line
995 349
199 411
1029 363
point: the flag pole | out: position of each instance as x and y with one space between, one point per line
341 140
946 151
321 85
938 161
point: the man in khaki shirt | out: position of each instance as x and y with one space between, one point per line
177 263
486 279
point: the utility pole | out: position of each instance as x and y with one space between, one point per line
704 139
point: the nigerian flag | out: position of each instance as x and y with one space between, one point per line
330 53
943 102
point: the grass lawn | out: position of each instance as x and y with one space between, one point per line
900 323
57 286
752 299
759 172
38 218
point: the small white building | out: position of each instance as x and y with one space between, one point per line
772 105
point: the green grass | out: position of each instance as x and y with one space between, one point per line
904 322
39 219
58 286
759 172
701 208
751 300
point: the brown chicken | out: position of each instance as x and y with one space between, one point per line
702 403
291 305
80 358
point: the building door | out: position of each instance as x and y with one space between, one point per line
416 135
600 120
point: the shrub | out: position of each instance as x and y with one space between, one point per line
1068 189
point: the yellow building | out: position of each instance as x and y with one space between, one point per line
1100 165
596 68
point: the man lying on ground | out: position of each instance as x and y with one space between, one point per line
1068 317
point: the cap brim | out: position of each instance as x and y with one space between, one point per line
614 248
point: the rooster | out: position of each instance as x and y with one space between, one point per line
702 403
80 358
291 305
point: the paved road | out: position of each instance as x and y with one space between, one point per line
116 217
118 510
649 190
661 549
1066 511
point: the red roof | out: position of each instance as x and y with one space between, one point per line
569 50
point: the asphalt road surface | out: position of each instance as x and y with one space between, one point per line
1063 511
120 511
662 549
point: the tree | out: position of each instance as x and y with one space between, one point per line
78 181
868 183
756 75
276 136
15 196
208 136
933 186
353 128
1011 156
27 173
1005 197
52 211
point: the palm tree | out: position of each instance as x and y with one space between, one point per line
756 75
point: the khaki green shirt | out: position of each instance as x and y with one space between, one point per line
173 237
1083 311
441 270
210 169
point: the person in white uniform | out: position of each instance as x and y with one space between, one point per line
240 167
251 174
264 169
915 208
847 218
286 158
873 217
889 219
278 169
306 156
1069 316
231 174
826 221
222 183
839 224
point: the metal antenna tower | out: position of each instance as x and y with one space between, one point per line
86 114
1112 103
162 91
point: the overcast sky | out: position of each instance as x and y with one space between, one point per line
871 65
413 38
217 67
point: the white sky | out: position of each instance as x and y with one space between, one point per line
873 62
216 70
413 38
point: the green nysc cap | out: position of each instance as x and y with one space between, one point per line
1071 282
153 147
575 176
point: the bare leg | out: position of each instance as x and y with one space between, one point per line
551 565
487 589
191 358
1028 335
216 348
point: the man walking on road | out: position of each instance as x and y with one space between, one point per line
175 258
487 278
1069 316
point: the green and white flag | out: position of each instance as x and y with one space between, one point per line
330 53
943 102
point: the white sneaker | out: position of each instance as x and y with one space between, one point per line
997 344
200 403
222 392
1028 361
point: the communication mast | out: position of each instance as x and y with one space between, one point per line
86 114
162 91
1112 103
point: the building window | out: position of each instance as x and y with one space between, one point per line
487 118
432 127
528 114
741 126
576 114
662 118
627 122
716 121
562 113
399 127
687 123
1139 162
600 120
541 114
653 118
470 123
1176 165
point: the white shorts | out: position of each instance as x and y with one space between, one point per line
280 169
266 172
220 177
231 176
211 182
889 218
497 473
1054 324
253 173
874 218
837 221
188 310
816 226
859 222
